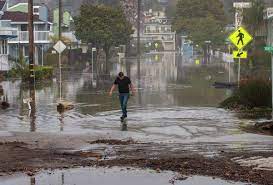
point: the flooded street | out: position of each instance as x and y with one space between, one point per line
173 114
175 103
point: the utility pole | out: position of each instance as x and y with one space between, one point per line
31 66
138 37
31 42
138 46
60 19
138 26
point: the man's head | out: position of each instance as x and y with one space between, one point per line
121 75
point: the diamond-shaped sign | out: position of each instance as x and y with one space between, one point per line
240 38
59 46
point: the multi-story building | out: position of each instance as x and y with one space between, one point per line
15 18
6 33
157 27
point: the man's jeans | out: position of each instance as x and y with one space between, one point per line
123 98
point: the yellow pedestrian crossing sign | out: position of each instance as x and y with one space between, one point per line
240 38
239 54
197 62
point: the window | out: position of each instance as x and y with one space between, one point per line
24 27
35 10
3 47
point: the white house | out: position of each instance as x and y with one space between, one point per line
160 29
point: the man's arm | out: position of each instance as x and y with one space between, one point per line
112 89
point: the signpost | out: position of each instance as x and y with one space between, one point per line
229 51
270 50
60 47
240 38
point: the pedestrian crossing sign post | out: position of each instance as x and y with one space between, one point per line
239 54
240 38
197 62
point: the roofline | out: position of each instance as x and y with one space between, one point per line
16 5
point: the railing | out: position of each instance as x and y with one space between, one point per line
8 31
39 36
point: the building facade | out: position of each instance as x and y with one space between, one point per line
16 19
157 27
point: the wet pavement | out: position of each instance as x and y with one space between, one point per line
112 176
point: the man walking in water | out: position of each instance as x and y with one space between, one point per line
124 86
241 37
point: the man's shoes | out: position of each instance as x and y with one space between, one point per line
123 117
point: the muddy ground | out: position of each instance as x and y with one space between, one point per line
20 157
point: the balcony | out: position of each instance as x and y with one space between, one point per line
39 37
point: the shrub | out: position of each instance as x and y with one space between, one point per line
43 72
253 93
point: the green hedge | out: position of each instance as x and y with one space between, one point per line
41 73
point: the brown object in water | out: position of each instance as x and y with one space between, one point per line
64 106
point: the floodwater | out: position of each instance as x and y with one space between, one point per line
113 176
175 103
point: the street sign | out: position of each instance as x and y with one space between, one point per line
239 54
268 13
242 5
240 38
59 46
268 48
197 62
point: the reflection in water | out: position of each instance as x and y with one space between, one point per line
124 126
112 176
33 108
61 118
63 179
32 181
